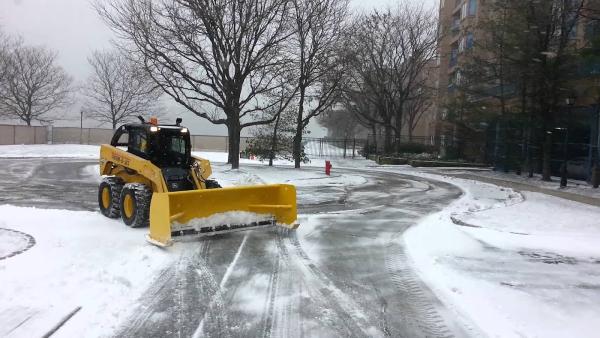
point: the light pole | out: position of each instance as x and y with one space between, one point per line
563 169
81 127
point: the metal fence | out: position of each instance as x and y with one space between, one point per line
333 148
313 147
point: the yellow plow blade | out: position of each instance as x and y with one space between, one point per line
278 201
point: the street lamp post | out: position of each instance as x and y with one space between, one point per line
81 127
563 169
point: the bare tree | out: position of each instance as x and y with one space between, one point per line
341 123
119 89
421 101
317 40
391 51
4 48
34 85
591 10
218 59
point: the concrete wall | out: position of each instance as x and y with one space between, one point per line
10 134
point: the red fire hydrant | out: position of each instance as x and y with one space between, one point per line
328 167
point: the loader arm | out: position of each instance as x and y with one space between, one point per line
114 161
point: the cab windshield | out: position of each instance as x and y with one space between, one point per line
171 149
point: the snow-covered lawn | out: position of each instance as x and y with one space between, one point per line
573 186
80 259
93 151
247 175
512 265
49 150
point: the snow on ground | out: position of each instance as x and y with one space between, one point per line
13 243
244 176
50 150
82 259
573 186
517 267
229 218
250 175
93 151
79 259
318 162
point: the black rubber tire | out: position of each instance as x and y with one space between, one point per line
142 196
212 184
114 185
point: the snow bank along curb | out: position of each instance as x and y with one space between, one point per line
522 265
586 196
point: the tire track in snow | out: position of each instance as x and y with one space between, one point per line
217 300
350 313
168 306
419 311
268 313
284 312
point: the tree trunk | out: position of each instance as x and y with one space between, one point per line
297 150
398 131
233 131
387 145
375 145
547 158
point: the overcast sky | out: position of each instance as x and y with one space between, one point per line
72 28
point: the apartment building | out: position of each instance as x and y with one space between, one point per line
458 34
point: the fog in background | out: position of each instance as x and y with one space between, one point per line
72 28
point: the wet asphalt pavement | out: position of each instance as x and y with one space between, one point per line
345 274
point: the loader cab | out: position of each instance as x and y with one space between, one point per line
166 146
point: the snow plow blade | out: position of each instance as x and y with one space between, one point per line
181 213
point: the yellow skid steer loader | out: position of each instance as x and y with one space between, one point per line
151 178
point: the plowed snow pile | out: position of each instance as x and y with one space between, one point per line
226 218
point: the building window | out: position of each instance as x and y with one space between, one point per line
454 56
455 24
463 11
472 7
470 40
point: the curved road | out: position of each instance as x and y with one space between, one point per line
344 273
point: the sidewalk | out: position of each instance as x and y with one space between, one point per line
521 186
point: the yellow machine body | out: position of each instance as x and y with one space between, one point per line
168 208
